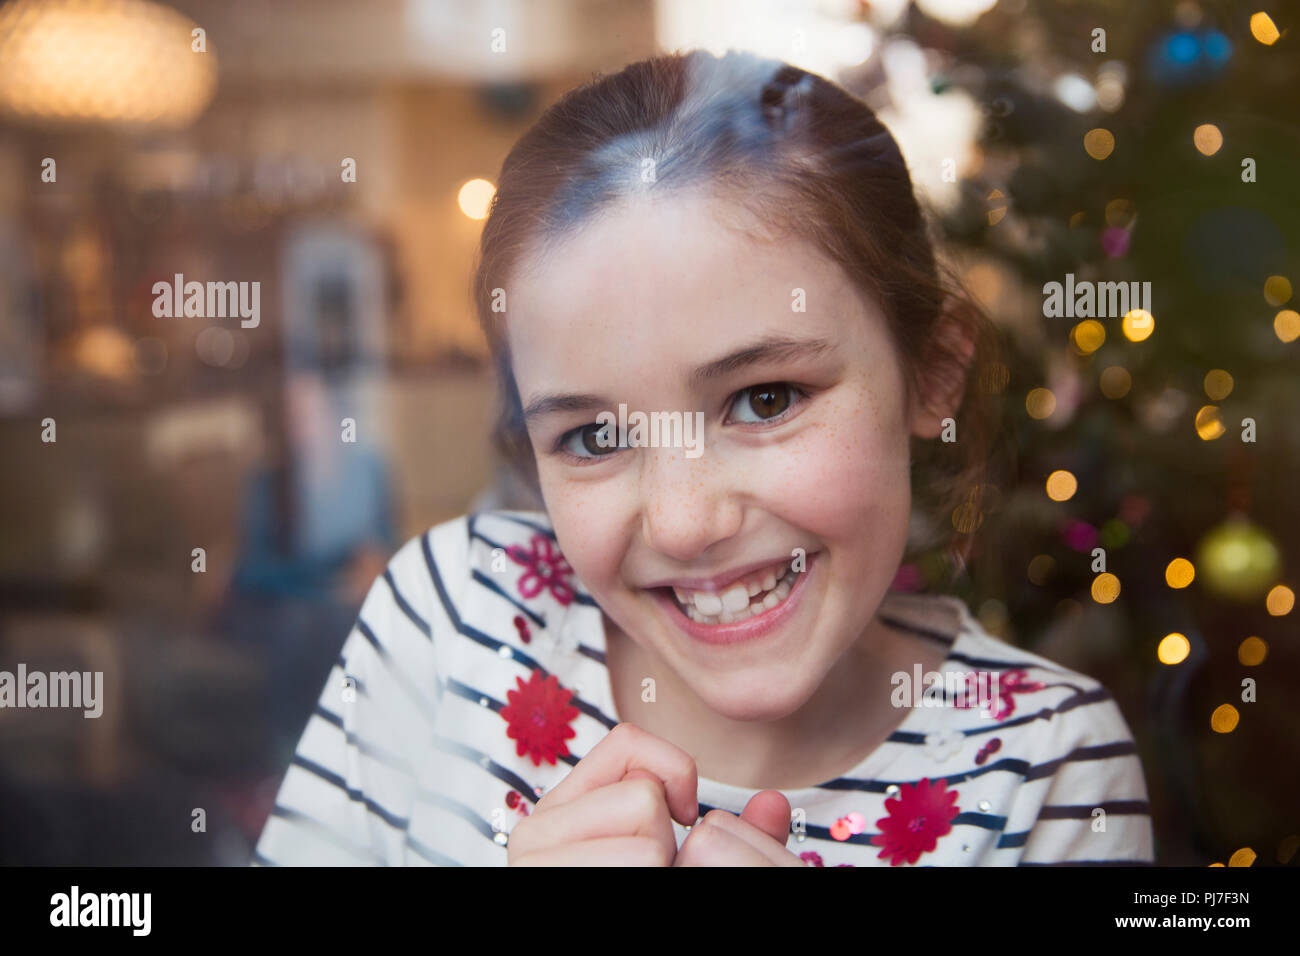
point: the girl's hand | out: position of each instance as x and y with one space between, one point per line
755 838
615 808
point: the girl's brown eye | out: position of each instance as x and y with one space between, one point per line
593 436
768 401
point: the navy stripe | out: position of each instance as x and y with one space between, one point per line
1090 863
491 585
989 663
1009 764
1101 752
480 759
940 636
1119 807
495 645
324 832
398 677
409 611
371 750
330 777
430 854
580 595
1098 695
459 809
1008 840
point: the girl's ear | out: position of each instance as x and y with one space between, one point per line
944 372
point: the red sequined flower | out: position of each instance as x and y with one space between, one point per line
918 816
539 715
547 568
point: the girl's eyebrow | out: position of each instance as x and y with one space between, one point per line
770 348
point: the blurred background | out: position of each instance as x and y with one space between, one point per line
194 505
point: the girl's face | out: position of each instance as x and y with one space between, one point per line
805 444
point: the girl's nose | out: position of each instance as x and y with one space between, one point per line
687 504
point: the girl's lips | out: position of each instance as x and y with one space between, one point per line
746 630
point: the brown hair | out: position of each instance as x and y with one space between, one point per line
801 154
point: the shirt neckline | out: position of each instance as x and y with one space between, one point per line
872 766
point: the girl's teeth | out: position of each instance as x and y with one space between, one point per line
734 604
708 604
735 599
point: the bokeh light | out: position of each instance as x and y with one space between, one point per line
1105 588
1208 425
1263 29
1041 567
1138 325
1173 649
1061 485
1252 651
1280 600
1277 290
1286 325
1040 403
475 198
1115 381
1088 336
1224 719
1218 384
1208 139
1179 573
1243 857
1099 143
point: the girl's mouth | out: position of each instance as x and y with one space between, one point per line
744 611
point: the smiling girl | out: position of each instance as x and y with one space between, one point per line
697 659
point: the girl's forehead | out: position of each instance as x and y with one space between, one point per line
675 255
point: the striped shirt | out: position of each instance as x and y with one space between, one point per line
406 758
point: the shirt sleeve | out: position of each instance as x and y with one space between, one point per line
1095 809
347 796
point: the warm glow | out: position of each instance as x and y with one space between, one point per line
1088 336
1243 857
1208 425
1277 290
1099 143
1179 573
1173 649
1218 384
1138 325
1105 588
1040 568
1280 600
1040 403
1224 719
1207 138
1061 485
119 61
476 198
1252 651
1263 29
1286 324
1116 381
